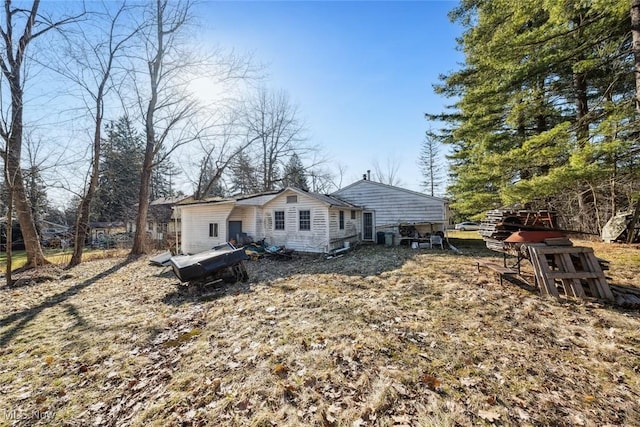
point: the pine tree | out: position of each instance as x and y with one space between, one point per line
430 164
119 172
293 174
36 194
543 107
244 175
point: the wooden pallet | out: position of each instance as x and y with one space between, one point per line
574 267
498 269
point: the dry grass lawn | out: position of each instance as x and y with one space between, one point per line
378 337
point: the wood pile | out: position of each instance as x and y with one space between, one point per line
499 224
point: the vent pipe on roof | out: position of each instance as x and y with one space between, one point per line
368 174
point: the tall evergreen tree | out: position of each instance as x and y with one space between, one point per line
36 194
119 172
244 175
293 174
543 107
430 164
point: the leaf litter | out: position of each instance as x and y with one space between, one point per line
381 336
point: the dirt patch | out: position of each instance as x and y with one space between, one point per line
380 336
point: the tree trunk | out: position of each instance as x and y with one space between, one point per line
631 228
635 35
155 76
580 92
35 257
140 237
9 239
582 108
84 210
82 223
13 74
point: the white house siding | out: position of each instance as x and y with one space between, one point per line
259 214
394 205
246 214
195 226
352 227
314 240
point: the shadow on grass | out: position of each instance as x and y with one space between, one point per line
521 283
28 282
21 318
196 294
472 247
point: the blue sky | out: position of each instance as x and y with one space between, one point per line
361 73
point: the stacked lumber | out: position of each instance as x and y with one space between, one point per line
499 224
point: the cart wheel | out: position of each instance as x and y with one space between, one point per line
243 272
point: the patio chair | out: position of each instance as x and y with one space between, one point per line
435 240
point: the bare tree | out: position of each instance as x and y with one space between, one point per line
172 118
324 179
220 151
166 106
273 122
14 43
92 58
387 173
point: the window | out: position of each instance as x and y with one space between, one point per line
213 229
279 220
292 199
341 220
353 214
305 220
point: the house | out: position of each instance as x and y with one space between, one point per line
101 233
390 209
311 222
294 218
49 229
163 222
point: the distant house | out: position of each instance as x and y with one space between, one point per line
101 232
48 228
163 222
294 218
390 209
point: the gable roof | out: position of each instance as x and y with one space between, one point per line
206 201
327 199
168 200
405 190
258 199
261 199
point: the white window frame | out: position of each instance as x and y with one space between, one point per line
275 221
300 220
